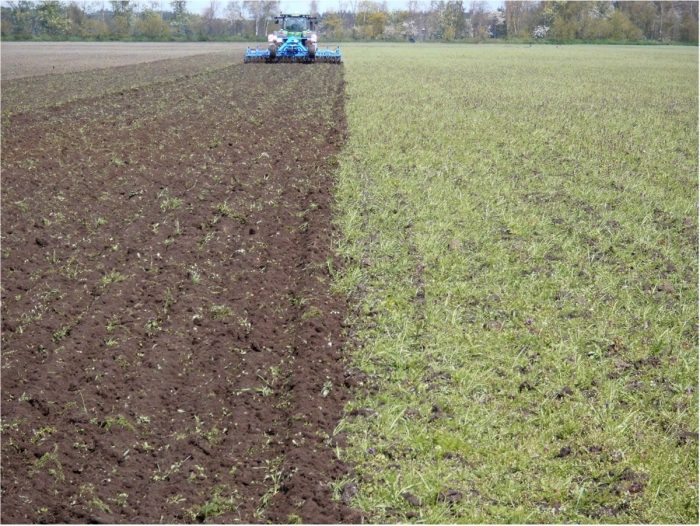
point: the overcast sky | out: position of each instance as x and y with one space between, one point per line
302 6
286 6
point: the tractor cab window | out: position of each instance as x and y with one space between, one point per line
296 23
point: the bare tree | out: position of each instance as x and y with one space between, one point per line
211 25
234 16
261 13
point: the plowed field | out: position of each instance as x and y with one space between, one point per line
171 349
30 59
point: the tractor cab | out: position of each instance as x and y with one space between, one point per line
295 25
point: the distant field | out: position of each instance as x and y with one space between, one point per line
519 228
88 73
29 59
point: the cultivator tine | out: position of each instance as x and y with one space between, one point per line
327 56
293 54
256 55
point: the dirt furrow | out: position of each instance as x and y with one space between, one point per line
171 350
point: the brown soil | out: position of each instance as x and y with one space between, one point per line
31 93
171 350
29 59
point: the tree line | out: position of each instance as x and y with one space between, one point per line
552 20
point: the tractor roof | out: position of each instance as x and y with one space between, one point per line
287 15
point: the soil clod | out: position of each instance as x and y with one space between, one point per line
450 496
412 499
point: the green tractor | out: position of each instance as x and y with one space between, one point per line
295 41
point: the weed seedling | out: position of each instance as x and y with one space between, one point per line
61 333
112 277
217 505
220 312
169 203
152 326
49 461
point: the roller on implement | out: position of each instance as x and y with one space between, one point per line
295 41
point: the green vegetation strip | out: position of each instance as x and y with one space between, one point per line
520 236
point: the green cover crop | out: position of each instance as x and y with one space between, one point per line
519 231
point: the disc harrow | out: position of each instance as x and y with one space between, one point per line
263 56
293 49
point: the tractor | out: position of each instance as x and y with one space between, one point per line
295 41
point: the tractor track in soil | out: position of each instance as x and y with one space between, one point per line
171 348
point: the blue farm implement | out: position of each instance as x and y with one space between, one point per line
296 41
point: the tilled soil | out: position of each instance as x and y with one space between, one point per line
31 93
29 59
171 348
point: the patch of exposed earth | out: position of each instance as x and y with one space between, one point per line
171 349
31 59
32 93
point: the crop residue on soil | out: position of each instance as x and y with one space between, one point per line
171 350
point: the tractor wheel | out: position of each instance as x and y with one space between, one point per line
312 49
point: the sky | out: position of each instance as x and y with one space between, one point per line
286 6
302 6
